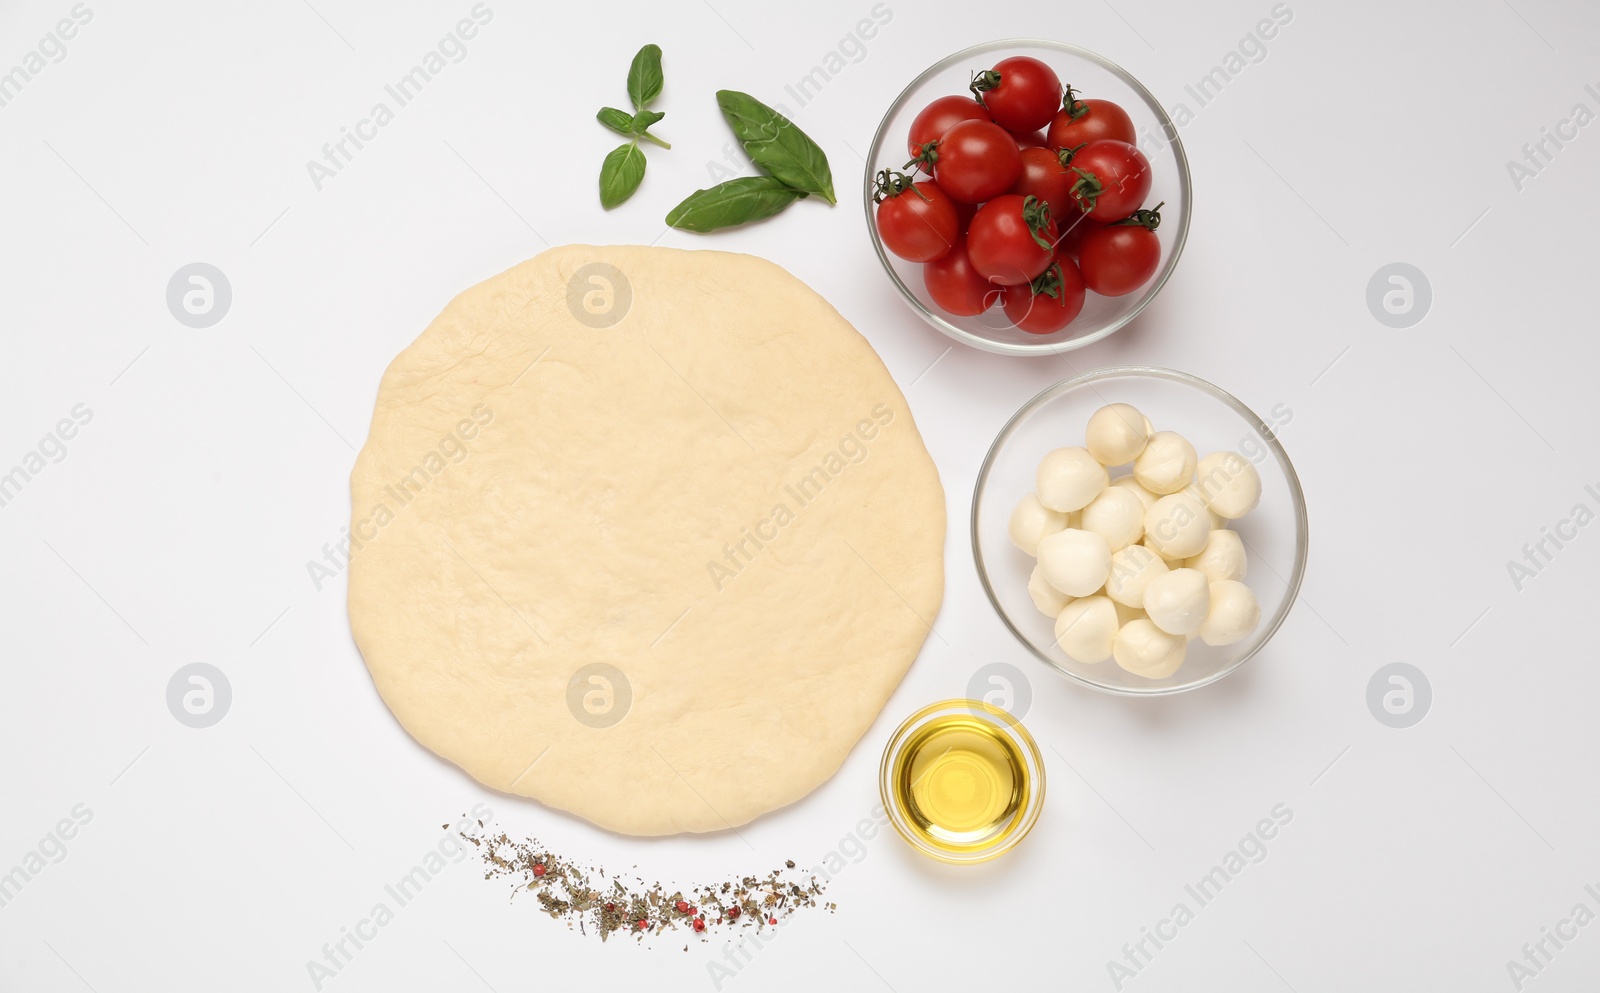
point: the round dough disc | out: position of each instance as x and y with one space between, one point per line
647 535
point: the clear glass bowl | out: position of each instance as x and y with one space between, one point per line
1274 533
1094 77
1014 828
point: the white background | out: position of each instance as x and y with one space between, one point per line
178 527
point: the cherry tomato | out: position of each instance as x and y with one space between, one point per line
1119 258
956 286
937 117
1012 239
1074 228
917 221
1083 121
1031 139
974 161
1021 93
1050 302
1045 177
1113 179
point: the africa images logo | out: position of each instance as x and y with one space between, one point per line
50 50
453 449
740 553
451 50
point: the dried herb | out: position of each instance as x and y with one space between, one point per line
588 899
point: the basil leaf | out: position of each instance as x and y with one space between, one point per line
738 201
621 174
776 145
644 76
643 119
619 121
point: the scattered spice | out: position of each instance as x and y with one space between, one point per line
587 897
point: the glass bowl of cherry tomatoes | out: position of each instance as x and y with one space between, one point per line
1027 197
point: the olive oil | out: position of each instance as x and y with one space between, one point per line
961 782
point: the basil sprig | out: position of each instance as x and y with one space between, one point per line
795 168
738 201
632 125
621 174
772 141
644 77
623 169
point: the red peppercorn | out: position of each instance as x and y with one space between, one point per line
538 870
611 906
699 924
772 920
733 911
643 923
683 906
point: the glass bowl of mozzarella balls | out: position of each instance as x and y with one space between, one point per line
1140 530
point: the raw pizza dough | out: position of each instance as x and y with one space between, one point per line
647 535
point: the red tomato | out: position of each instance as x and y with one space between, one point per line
956 286
1113 179
1119 258
1012 239
1021 93
1074 228
974 161
1083 121
1050 302
917 221
1031 139
1045 177
937 117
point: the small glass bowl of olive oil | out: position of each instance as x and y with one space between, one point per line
962 781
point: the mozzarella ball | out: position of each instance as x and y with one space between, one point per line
1233 615
1075 562
1132 486
1069 478
1229 484
1116 515
1177 526
1222 558
1032 520
1046 597
1086 628
1166 465
1117 433
1145 650
1132 569
1177 601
